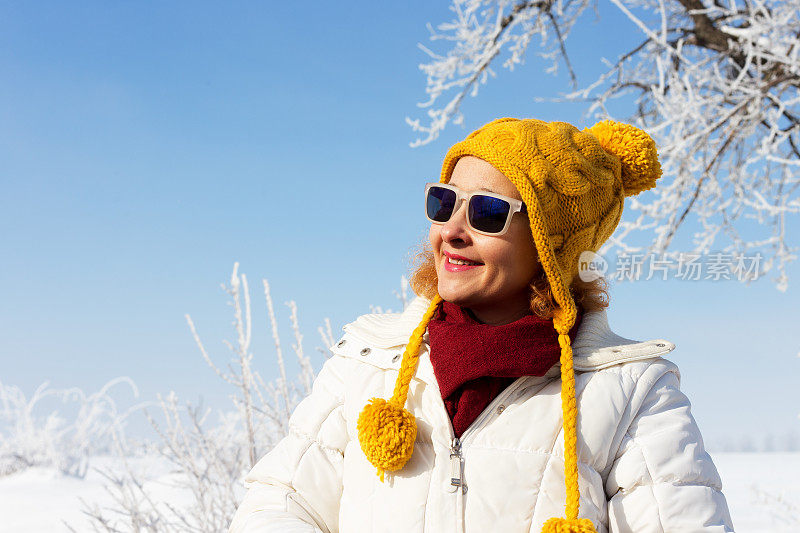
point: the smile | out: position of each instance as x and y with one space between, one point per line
460 262
457 263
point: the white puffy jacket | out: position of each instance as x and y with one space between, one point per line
642 464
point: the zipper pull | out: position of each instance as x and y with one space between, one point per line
456 467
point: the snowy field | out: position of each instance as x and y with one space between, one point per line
763 491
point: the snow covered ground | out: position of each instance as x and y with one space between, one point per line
763 491
42 499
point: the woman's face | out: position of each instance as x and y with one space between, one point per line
496 288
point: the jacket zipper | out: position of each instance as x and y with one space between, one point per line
456 456
456 467
456 447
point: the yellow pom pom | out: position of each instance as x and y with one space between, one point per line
563 525
636 151
386 433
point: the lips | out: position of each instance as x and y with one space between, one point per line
457 257
459 263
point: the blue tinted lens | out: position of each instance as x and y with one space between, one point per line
488 214
440 203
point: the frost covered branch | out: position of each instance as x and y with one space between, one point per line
208 454
717 84
29 437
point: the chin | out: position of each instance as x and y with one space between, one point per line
457 297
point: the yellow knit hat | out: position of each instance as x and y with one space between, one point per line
573 183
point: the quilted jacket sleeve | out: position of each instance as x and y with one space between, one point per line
663 479
296 487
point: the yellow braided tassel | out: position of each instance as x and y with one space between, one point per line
386 430
570 414
570 524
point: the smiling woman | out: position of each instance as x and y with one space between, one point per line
495 286
511 282
488 369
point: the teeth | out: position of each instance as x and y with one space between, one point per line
459 262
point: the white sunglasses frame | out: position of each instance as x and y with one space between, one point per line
516 206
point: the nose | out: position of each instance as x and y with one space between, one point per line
455 229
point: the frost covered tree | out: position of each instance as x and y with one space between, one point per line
208 457
715 82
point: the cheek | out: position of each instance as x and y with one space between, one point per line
515 264
525 256
504 259
528 262
435 237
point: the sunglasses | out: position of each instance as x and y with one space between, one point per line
487 213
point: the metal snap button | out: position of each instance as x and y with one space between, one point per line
500 409
365 351
396 357
341 343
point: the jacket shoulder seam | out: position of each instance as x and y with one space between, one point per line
673 482
647 386
634 370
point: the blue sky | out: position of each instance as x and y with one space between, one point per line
148 146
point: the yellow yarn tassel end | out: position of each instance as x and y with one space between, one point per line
564 525
386 433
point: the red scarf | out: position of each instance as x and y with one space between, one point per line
474 362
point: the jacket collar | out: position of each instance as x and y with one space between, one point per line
595 346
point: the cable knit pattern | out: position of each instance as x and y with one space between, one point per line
574 181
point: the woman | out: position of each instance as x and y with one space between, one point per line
509 395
